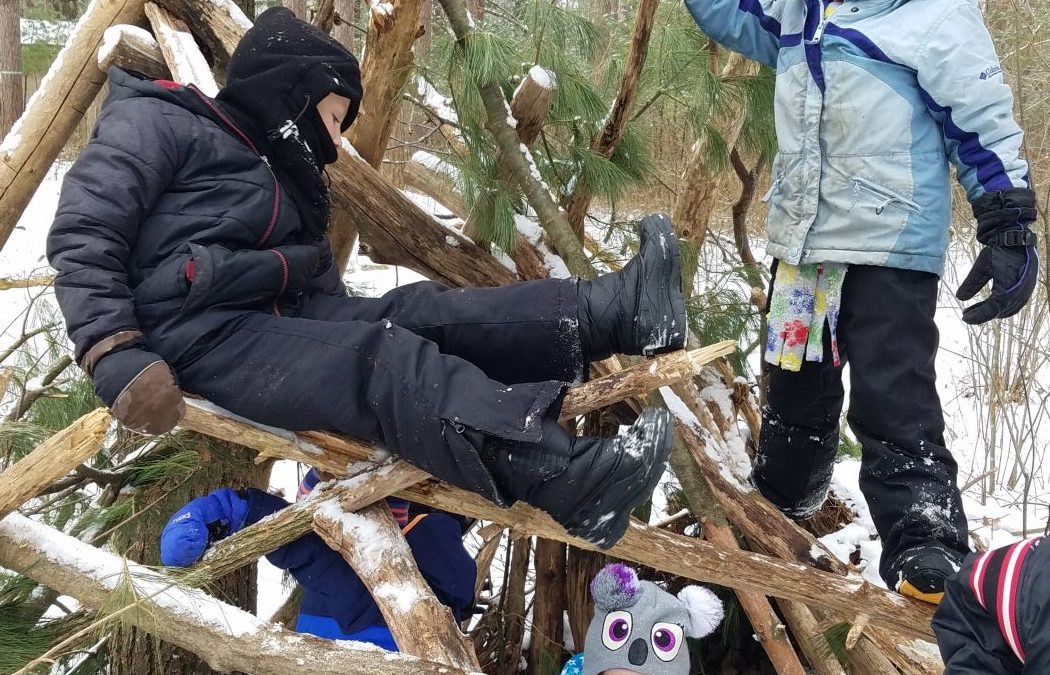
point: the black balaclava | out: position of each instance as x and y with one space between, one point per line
280 71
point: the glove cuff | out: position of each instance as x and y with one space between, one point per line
1014 198
125 339
1015 237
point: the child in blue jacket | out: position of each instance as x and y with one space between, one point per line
336 604
875 100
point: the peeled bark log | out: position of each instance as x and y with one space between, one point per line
72 83
132 48
229 639
387 63
52 459
609 137
288 524
420 624
181 53
641 544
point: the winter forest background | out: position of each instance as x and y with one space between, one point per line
697 143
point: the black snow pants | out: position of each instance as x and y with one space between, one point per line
995 614
408 371
908 476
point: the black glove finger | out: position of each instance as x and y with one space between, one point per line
984 311
979 276
1017 297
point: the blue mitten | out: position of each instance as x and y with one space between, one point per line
202 521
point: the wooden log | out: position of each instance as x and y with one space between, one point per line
641 379
641 544
372 544
324 15
181 53
771 633
491 536
70 86
513 605
531 103
440 186
132 48
392 30
288 524
609 136
811 639
548 607
12 97
227 638
53 459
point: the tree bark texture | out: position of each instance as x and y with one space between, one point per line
298 7
387 64
132 48
513 607
420 624
12 97
343 23
546 655
72 83
581 567
52 459
609 136
228 639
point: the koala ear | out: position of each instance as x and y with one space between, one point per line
705 610
615 587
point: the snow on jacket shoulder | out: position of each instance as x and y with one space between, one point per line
169 220
871 105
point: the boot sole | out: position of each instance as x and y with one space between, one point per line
652 436
662 288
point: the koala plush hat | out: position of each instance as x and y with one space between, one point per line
641 628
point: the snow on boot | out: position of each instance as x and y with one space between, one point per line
640 309
922 572
599 482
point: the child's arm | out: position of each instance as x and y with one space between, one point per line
967 635
745 26
963 87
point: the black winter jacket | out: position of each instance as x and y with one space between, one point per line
172 222
995 615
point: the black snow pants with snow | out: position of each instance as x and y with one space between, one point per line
995 614
409 371
887 333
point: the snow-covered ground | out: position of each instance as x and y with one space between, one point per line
997 521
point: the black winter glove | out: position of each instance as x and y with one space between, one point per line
140 390
1010 259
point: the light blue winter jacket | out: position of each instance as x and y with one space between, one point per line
871 104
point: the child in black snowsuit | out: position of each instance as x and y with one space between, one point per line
191 250
995 616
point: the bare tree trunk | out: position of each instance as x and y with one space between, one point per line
546 653
11 80
298 7
740 211
700 185
343 30
582 567
513 607
609 136
248 7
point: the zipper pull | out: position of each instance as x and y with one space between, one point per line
773 187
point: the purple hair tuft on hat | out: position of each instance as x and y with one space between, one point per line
615 587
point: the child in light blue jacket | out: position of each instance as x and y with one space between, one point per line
875 100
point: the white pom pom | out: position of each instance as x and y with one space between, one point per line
705 610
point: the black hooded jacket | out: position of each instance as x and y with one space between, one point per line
183 212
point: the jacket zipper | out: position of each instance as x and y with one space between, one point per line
275 210
247 141
887 196
773 188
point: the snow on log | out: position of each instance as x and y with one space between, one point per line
71 84
132 48
181 53
372 544
228 638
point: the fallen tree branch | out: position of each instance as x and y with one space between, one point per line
181 53
227 638
52 459
644 545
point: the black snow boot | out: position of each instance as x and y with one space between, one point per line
640 309
922 572
589 485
